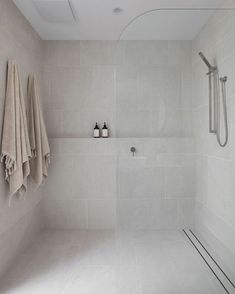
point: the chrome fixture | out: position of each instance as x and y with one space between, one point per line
211 68
133 150
216 269
117 10
215 101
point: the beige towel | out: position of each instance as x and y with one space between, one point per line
37 136
15 141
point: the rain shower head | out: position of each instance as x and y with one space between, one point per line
211 68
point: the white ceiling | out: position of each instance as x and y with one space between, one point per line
94 19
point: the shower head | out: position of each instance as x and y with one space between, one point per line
211 68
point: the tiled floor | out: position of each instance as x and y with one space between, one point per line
110 263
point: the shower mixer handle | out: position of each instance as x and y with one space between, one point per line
133 150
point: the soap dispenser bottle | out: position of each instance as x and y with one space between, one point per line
96 131
105 131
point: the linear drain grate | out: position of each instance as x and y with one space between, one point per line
216 269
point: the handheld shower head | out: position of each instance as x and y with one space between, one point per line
210 67
215 101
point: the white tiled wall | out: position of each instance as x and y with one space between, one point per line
215 166
97 184
154 89
79 87
81 192
20 222
156 186
142 89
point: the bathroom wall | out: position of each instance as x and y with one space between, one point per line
156 187
79 82
215 166
20 222
141 88
143 91
97 184
81 193
153 86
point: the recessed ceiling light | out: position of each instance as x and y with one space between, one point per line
117 10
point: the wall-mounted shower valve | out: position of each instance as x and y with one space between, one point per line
133 150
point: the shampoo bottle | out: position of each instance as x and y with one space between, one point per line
105 131
96 131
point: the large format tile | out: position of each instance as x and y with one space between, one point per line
102 214
214 165
96 172
62 262
65 214
140 182
62 54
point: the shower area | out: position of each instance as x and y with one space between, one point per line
151 209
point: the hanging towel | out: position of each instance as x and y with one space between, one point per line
15 141
37 136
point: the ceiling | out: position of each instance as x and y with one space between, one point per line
95 20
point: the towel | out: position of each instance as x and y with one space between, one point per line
16 151
37 136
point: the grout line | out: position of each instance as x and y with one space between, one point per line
206 262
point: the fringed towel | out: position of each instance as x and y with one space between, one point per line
15 141
37 136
